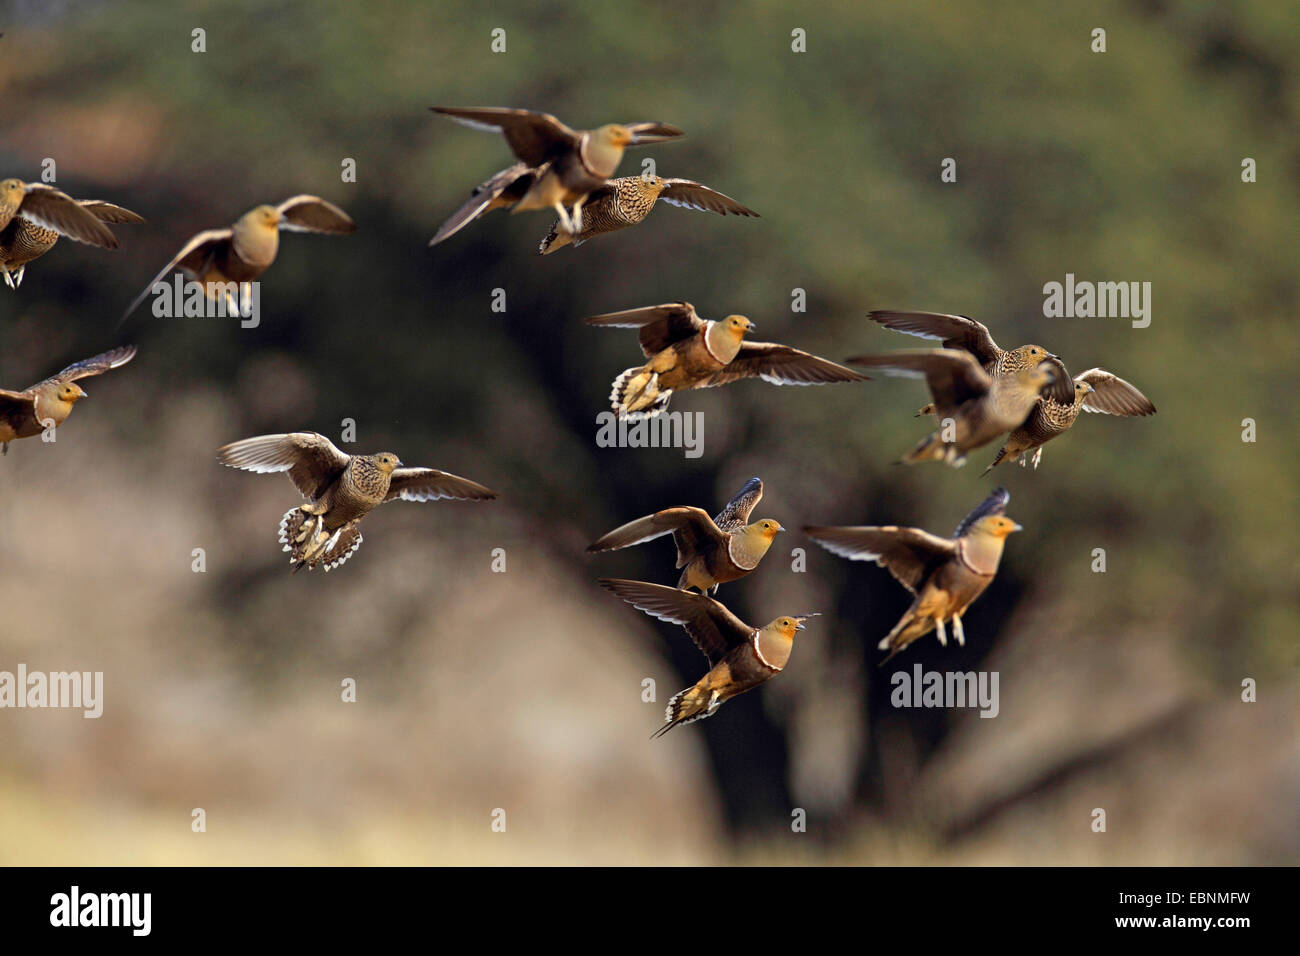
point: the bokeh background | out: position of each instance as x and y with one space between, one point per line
522 690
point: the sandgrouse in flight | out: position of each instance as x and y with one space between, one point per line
49 403
685 351
1095 390
340 489
945 574
627 200
558 167
225 260
740 656
710 551
33 216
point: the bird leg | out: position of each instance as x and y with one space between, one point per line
1038 456
940 632
232 303
18 279
644 396
322 543
957 631
9 279
565 222
311 529
576 215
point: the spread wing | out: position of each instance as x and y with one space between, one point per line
692 530
715 630
995 504
953 376
533 137
660 325
430 484
17 409
512 182
107 212
954 331
95 365
780 365
909 554
689 194
1111 395
312 461
313 214
736 514
192 258
54 209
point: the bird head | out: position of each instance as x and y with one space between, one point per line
614 134
71 393
765 530
787 625
1031 354
738 325
651 185
1082 390
387 462
268 217
995 526
11 189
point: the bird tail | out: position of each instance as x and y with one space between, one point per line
687 706
1002 453
910 627
926 410
636 394
342 546
309 545
557 238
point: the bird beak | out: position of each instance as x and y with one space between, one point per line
801 626
780 528
751 327
1017 527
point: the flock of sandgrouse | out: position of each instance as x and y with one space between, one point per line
979 392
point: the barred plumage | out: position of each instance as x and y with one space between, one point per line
340 490
628 200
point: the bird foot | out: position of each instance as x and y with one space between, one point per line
566 223
941 632
18 279
310 529
957 631
645 396
1038 456
9 279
